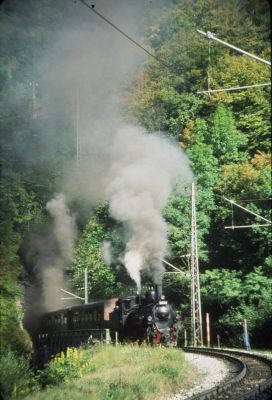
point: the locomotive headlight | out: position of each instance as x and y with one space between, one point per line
149 318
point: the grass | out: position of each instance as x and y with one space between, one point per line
125 372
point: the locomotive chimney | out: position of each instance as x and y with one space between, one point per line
158 292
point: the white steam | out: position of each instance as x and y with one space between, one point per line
64 226
106 251
143 172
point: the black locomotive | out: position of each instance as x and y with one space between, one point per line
150 318
147 318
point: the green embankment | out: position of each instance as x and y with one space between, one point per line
123 372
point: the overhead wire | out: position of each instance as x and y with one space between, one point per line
92 8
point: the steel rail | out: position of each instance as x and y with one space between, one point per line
262 391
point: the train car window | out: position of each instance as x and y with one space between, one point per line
65 320
76 317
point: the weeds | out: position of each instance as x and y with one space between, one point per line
64 367
16 377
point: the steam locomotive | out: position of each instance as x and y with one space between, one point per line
149 318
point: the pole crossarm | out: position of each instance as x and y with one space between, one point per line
172 266
176 272
71 294
69 298
234 88
212 36
245 226
247 210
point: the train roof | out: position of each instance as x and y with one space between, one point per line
86 306
79 307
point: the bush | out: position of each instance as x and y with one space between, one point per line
67 366
16 377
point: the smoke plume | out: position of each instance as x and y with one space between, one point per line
64 226
118 162
106 251
80 73
144 170
53 270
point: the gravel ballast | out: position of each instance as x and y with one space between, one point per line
211 371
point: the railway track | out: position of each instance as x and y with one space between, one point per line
252 379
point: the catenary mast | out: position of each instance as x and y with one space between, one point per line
196 314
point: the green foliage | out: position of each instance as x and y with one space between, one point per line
230 298
249 183
251 107
176 213
222 286
168 371
16 377
64 367
11 312
104 280
18 206
224 138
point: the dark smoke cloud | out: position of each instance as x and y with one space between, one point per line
82 78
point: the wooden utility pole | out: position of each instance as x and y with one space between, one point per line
86 285
33 85
77 128
208 329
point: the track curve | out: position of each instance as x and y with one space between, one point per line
252 380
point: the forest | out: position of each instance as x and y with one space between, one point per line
79 102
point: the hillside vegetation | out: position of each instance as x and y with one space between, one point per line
226 136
